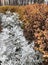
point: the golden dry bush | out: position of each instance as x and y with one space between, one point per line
3 9
36 27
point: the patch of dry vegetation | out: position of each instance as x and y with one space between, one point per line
3 9
36 27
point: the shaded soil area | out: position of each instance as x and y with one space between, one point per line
0 26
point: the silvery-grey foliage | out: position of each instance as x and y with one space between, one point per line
14 48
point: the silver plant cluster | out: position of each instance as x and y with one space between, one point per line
14 48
